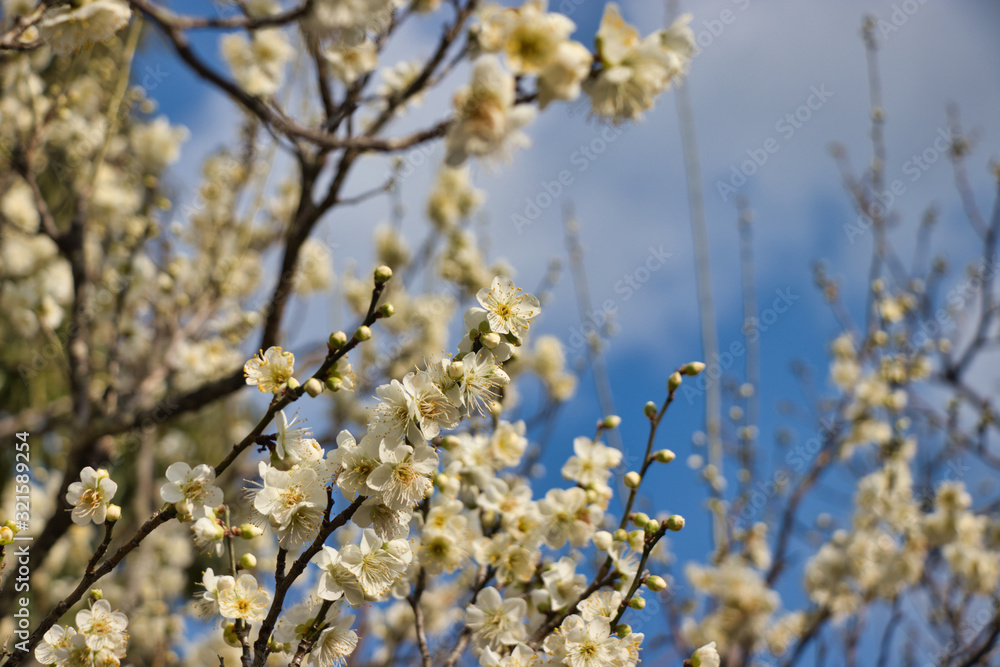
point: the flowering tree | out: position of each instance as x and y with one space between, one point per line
408 530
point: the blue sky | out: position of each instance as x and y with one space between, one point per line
760 61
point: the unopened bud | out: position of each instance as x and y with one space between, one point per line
674 381
248 561
636 539
12 525
602 540
114 513
6 536
675 522
490 340
640 519
334 383
650 409
450 442
612 421
248 531
456 369
96 594
293 383
229 634
102 474
313 387
664 456
383 274
386 310
623 630
621 535
363 333
632 479
655 583
637 603
338 339
694 368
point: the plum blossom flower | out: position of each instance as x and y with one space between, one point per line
242 598
89 23
508 309
488 120
193 487
269 370
496 622
90 496
402 479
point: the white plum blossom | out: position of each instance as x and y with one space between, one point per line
193 487
375 568
488 119
207 602
89 23
335 580
402 479
294 502
258 63
496 622
270 370
91 496
508 308
242 598
635 71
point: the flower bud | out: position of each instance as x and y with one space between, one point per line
12 525
490 340
363 333
655 583
338 339
248 561
496 408
650 409
652 527
612 421
693 368
102 474
383 274
632 479
293 383
96 594
637 539
6 536
456 369
248 531
664 456
620 535
313 387
674 381
386 310
637 603
334 383
602 540
623 630
675 522
450 442
640 519
229 634
114 513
